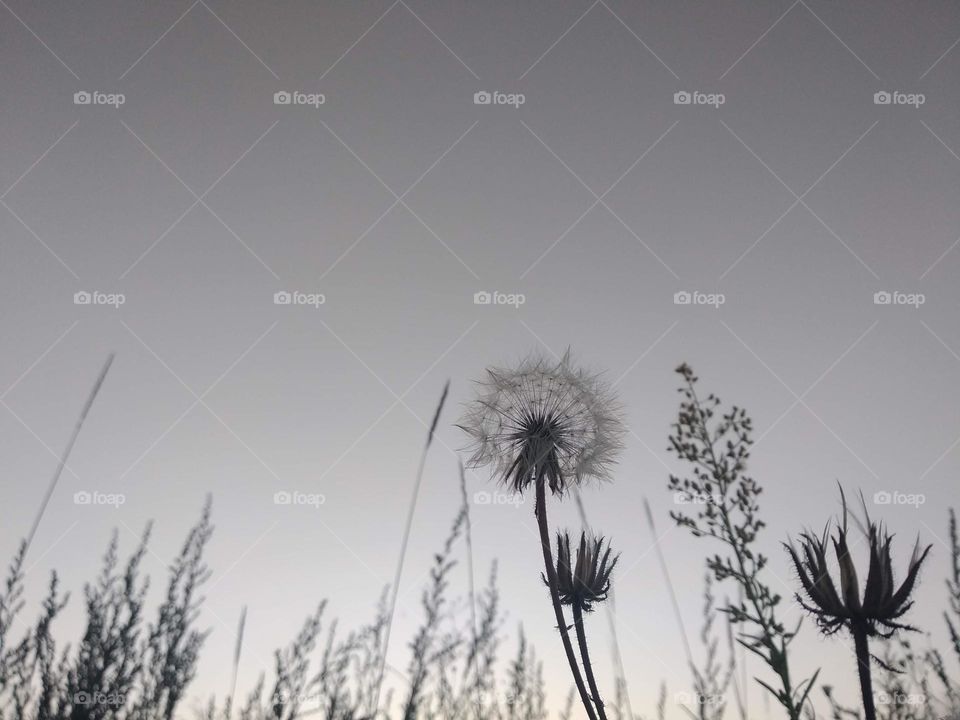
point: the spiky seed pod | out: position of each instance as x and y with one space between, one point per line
587 581
544 422
882 604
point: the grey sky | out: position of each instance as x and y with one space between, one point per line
398 198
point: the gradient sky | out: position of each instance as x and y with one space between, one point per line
399 198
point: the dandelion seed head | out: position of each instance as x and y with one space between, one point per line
544 421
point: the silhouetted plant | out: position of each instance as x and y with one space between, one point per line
547 425
717 446
581 584
877 613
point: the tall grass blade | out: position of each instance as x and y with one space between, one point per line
66 453
403 545
666 577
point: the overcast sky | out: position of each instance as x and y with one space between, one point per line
783 197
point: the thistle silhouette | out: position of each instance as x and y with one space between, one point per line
878 612
581 585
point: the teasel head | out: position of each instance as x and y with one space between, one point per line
585 579
544 422
878 611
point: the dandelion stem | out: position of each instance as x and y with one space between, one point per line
585 657
863 668
541 513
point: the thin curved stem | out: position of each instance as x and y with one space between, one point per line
541 512
585 656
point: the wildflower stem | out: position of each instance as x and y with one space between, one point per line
585 657
863 668
541 513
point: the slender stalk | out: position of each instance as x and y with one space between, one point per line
66 453
585 657
470 581
403 548
541 512
863 668
238 648
611 620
